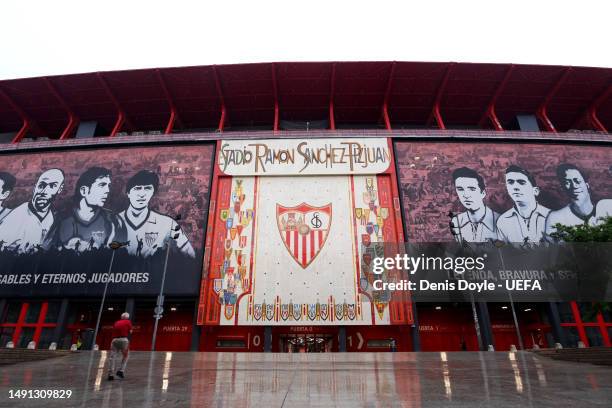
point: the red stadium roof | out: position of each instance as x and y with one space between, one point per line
388 95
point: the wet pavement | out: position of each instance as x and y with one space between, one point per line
468 379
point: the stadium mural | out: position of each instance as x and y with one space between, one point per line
59 211
288 249
478 192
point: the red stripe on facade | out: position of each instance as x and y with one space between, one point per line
312 245
303 239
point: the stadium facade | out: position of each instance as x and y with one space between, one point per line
255 188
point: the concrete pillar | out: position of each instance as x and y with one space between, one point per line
58 332
196 331
2 306
486 331
268 339
129 307
414 330
342 339
555 323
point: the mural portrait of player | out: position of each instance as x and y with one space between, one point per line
55 240
147 230
478 222
533 186
88 225
526 220
581 209
27 227
7 183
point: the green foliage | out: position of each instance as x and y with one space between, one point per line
585 233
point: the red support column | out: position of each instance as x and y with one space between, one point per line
22 132
604 330
27 123
332 90
490 112
595 121
275 88
118 124
220 94
435 112
72 118
20 321
40 322
121 116
541 112
385 111
173 113
72 123
590 113
170 124
579 324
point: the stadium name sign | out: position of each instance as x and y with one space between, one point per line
280 157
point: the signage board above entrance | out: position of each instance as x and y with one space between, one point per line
284 157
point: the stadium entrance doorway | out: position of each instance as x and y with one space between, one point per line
304 339
306 343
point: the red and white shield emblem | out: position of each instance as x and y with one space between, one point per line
304 230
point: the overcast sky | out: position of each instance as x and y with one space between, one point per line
62 37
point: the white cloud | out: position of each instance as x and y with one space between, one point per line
61 37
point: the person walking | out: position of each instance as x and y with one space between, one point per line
120 345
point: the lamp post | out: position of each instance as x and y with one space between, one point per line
159 306
499 244
473 304
113 246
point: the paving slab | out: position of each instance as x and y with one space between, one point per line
180 379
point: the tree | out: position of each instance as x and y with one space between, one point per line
587 233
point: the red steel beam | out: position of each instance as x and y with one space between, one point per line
332 91
541 112
220 94
490 112
595 121
275 88
118 124
591 112
27 122
72 118
173 112
435 112
385 111
121 116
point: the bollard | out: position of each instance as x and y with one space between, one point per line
31 345
581 344
490 347
512 348
73 347
53 346
10 344
558 346
536 347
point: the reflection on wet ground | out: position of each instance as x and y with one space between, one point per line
174 379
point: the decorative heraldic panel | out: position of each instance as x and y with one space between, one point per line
286 249
59 211
512 192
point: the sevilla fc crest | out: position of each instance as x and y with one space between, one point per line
304 230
